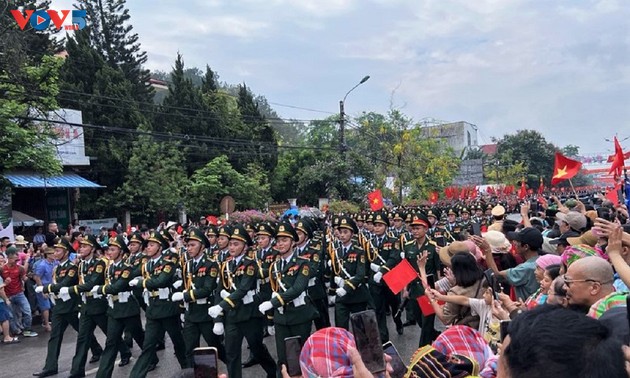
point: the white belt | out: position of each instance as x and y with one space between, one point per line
311 282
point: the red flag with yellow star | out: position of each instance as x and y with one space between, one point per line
375 199
564 168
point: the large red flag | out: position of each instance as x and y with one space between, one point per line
564 168
618 160
434 197
613 194
375 199
541 186
400 276
522 192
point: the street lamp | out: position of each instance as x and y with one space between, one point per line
342 118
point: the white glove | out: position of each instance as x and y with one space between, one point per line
218 329
95 289
215 311
341 292
402 255
179 296
224 294
182 318
265 306
329 262
135 281
375 267
331 299
64 290
177 284
39 289
271 330
377 277
339 281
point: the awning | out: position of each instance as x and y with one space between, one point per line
21 219
36 180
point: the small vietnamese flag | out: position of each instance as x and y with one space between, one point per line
522 193
564 168
400 276
613 194
541 186
375 199
618 160
433 197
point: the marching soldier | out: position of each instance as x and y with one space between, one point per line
412 250
349 275
222 252
237 302
212 233
200 281
452 226
123 312
264 256
313 250
94 309
289 276
66 306
161 314
384 256
398 228
466 222
436 231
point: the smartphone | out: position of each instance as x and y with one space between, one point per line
431 281
368 340
397 363
293 347
492 283
503 328
205 362
476 229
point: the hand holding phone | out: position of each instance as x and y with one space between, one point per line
397 363
368 340
293 348
205 362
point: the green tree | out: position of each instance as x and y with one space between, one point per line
218 178
530 148
154 183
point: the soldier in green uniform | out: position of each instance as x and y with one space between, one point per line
135 258
264 255
237 302
349 275
200 282
313 250
412 250
222 252
123 310
289 276
212 233
398 227
66 307
162 314
384 256
453 227
93 310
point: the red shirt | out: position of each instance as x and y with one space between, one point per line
16 274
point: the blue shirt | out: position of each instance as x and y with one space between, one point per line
523 279
44 270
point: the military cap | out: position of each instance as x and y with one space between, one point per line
157 237
335 221
464 210
225 231
381 218
421 220
167 235
370 218
212 230
197 234
119 242
489 206
452 211
285 229
250 227
266 229
240 233
408 217
91 241
398 215
349 223
64 244
360 217
430 213
136 237
304 226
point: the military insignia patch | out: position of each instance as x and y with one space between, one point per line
99 269
213 272
167 269
362 259
305 270
251 270
71 273
125 274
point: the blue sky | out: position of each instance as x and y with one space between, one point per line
561 67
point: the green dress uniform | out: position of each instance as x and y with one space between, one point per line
349 265
161 314
411 252
264 259
313 250
293 310
200 283
241 316
93 310
384 257
123 315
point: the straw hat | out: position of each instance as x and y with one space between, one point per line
498 242
19 240
450 250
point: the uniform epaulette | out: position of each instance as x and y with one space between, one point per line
248 258
410 242
359 248
432 242
304 258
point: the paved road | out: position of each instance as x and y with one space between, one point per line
23 359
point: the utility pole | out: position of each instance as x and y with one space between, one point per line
342 120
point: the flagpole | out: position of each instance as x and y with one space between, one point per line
573 188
